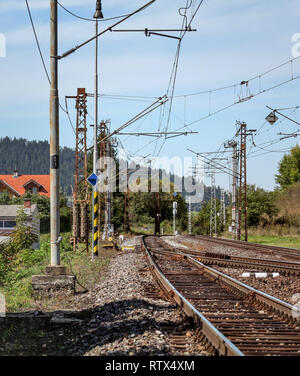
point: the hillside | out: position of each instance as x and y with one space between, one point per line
32 157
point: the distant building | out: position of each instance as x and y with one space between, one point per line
17 185
8 214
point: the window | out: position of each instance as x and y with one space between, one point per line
7 224
34 190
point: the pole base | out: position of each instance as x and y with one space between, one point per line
56 281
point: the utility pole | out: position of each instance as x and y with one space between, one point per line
190 216
157 213
81 192
222 207
108 194
234 213
243 132
174 216
213 206
97 15
54 139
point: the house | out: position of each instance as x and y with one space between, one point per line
17 185
8 214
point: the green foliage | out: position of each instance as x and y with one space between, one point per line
202 221
289 168
261 206
143 208
4 198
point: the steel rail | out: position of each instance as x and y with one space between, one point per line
281 334
284 309
248 245
214 336
229 260
281 307
268 265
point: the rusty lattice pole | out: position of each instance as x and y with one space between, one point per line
81 192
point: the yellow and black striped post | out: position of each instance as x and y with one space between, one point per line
95 224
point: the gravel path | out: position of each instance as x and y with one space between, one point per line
127 323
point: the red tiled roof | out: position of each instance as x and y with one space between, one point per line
18 183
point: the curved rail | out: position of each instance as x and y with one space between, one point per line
216 338
234 314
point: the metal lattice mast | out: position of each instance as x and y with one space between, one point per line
81 192
234 197
213 206
243 132
222 207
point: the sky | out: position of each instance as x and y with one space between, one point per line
235 41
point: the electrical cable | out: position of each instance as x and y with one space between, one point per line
37 42
89 19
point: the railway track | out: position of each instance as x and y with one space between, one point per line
225 260
235 319
290 253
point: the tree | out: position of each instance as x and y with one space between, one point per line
289 168
261 206
202 221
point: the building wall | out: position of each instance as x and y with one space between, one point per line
5 190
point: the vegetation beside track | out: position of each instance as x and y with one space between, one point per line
17 268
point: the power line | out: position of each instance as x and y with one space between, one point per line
89 19
43 61
37 42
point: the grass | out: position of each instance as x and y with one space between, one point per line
254 236
16 282
280 241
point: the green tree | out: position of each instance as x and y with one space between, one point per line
261 206
289 168
4 198
202 221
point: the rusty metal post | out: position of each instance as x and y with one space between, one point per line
54 139
81 192
245 186
243 181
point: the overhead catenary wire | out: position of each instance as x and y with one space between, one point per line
37 41
89 19
43 60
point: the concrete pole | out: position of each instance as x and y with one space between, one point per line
54 139
174 221
95 154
